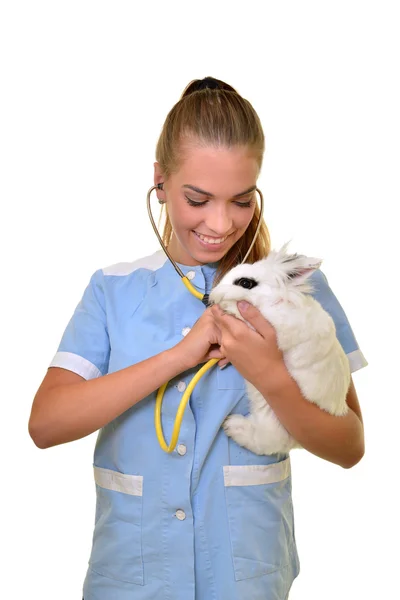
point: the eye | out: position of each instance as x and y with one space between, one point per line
244 204
246 283
193 203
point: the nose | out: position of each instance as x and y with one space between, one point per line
219 222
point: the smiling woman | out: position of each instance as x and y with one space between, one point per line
210 519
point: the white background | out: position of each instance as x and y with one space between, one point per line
86 87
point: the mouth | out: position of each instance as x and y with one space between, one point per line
209 242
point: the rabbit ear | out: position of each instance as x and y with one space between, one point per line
296 265
299 267
283 251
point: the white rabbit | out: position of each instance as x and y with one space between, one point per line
306 335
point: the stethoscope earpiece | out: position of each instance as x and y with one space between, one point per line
160 187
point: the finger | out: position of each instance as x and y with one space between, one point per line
222 319
222 363
216 310
216 353
255 318
230 326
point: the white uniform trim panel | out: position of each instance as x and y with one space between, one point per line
356 360
75 363
153 262
256 474
119 482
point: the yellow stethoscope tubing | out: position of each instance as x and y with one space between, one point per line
181 408
195 379
191 288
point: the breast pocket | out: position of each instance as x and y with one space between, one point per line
260 516
117 538
229 378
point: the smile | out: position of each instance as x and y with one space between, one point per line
209 240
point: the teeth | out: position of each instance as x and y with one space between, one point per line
211 240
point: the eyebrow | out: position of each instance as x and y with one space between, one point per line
199 191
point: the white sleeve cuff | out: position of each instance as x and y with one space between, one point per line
75 363
357 360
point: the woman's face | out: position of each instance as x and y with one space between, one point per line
211 201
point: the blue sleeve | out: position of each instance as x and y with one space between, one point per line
85 345
324 295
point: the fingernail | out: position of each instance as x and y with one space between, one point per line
243 304
223 366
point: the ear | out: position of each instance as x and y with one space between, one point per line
283 250
159 178
300 267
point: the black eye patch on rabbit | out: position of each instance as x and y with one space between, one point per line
279 287
246 283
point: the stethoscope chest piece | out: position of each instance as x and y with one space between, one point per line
205 299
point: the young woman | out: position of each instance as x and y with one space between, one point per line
211 519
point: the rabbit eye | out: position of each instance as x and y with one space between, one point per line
246 283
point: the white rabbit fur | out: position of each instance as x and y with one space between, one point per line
306 335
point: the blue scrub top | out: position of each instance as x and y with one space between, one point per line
212 520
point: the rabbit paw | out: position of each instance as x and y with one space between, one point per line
239 428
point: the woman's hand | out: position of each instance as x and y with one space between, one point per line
201 343
253 353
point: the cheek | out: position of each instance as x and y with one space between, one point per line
243 220
182 219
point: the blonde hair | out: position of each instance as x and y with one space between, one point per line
211 112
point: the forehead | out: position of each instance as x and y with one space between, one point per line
218 169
